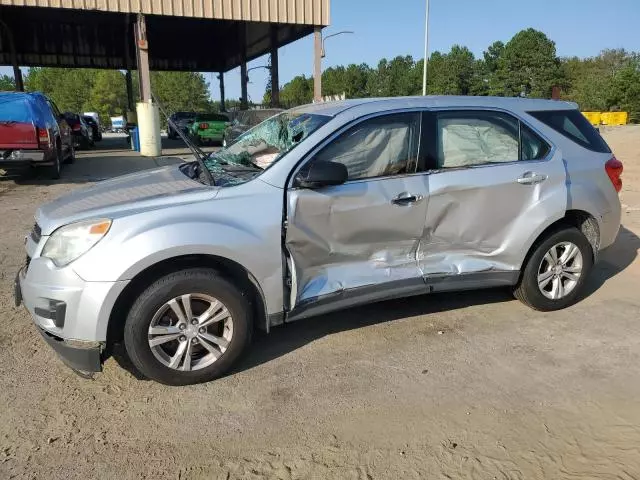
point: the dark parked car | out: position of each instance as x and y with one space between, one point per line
81 132
33 131
91 122
183 121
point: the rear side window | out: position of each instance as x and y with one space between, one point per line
471 138
573 125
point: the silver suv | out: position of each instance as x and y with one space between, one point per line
320 208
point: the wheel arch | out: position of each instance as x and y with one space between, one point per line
230 269
580 219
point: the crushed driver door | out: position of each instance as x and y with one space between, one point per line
358 241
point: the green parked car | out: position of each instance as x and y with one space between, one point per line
209 127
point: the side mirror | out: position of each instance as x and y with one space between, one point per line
322 174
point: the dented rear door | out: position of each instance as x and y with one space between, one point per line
364 234
494 183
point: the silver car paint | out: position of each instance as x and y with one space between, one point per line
160 214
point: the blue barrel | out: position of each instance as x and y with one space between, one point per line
135 139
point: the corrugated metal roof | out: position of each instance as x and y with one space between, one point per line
304 12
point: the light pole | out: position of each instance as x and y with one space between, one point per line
426 50
318 55
322 54
254 68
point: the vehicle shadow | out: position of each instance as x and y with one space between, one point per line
290 337
613 260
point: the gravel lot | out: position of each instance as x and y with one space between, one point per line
471 385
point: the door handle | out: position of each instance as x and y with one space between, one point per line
531 178
406 199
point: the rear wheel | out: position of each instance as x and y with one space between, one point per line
556 271
71 155
55 170
188 327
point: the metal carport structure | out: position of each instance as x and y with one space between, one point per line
152 34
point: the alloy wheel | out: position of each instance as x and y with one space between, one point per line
560 270
190 332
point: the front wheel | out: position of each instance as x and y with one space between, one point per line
188 327
556 271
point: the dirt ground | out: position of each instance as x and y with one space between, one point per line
470 385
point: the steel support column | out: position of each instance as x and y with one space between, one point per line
223 107
244 102
142 54
275 81
17 73
317 65
131 104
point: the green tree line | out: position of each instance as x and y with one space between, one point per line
527 65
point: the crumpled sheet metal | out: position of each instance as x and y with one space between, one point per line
351 240
482 219
469 222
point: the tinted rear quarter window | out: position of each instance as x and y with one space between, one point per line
573 125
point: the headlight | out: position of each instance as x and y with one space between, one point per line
69 242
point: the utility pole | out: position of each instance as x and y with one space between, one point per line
426 50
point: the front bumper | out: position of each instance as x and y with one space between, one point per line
81 356
71 314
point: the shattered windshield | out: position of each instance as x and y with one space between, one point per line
262 146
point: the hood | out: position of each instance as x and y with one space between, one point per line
122 196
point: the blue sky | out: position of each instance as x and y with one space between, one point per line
386 28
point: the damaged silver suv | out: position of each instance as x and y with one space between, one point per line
316 209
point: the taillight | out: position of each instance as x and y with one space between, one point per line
204 126
614 168
76 127
43 138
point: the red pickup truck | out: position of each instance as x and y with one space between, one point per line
32 131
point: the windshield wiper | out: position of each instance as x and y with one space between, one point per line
197 152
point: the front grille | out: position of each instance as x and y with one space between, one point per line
27 263
36 233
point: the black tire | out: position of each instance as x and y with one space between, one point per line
71 155
528 291
55 170
189 281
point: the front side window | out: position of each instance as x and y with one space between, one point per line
378 147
